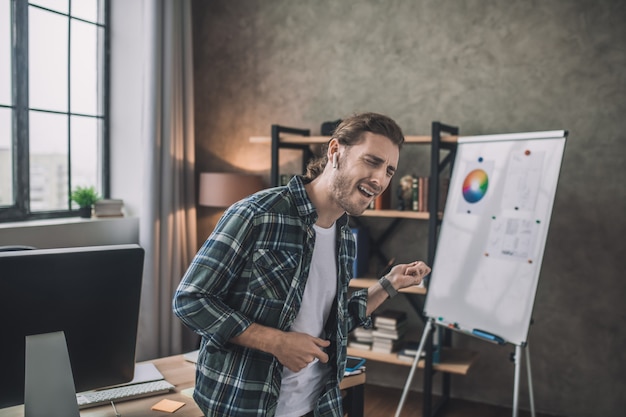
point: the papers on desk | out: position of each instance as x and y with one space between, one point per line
191 356
145 372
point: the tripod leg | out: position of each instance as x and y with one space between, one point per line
517 360
530 383
427 330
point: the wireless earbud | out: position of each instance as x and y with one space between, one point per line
335 160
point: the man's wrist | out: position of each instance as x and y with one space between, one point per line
386 284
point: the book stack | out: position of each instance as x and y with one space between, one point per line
389 329
108 208
422 194
361 338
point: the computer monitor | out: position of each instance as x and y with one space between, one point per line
92 294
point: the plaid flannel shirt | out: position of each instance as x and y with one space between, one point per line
253 269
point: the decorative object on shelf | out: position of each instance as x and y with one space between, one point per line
222 189
108 208
85 197
404 192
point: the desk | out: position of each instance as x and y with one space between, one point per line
181 374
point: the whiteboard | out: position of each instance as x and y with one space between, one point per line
493 234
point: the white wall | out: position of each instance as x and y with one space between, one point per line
129 51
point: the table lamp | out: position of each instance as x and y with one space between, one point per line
222 189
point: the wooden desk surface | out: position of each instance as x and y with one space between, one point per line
179 373
175 369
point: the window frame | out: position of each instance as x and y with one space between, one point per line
20 210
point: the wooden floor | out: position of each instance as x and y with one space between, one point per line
383 402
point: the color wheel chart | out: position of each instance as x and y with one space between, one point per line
494 231
475 185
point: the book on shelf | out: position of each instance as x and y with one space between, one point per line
361 338
362 334
360 266
389 317
383 201
423 194
386 345
360 345
409 358
388 334
408 351
400 326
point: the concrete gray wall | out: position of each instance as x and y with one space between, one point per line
486 66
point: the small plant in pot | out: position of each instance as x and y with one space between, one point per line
85 197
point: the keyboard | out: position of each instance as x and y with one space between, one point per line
122 393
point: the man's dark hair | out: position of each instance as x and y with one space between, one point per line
350 132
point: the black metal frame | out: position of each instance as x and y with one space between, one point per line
437 166
276 146
20 210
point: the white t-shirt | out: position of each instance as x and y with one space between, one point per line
300 391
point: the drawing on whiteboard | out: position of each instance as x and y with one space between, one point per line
522 180
511 238
475 186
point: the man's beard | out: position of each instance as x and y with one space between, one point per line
347 196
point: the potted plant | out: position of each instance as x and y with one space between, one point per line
85 197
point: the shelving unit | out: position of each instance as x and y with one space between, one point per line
453 361
443 138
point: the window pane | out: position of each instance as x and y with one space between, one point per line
6 162
47 54
84 68
85 152
86 9
48 162
58 5
5 52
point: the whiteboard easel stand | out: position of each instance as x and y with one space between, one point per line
517 359
428 328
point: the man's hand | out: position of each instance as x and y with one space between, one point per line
400 276
293 350
406 275
297 350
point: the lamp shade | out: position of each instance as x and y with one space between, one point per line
220 189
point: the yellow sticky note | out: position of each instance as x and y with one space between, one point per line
168 406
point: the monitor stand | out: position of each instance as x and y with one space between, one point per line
49 385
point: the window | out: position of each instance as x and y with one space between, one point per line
53 112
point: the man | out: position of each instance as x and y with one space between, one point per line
268 290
